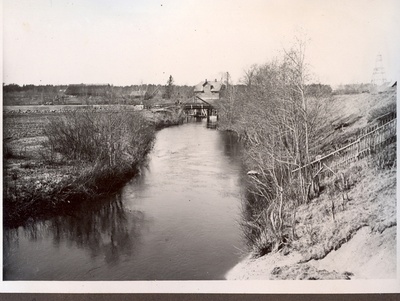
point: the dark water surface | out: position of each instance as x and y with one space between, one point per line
177 221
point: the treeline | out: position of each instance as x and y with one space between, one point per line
146 94
278 115
27 88
148 90
151 90
88 90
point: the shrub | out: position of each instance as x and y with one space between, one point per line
114 139
108 146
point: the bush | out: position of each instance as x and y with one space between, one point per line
114 139
108 146
268 215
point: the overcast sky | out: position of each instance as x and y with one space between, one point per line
125 42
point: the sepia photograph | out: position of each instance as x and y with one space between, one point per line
200 146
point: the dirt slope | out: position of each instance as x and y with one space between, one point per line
358 241
368 255
359 244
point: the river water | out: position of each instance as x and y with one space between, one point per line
178 220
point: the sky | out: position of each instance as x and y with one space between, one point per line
123 42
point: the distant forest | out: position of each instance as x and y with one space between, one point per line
150 90
147 94
25 88
98 90
90 94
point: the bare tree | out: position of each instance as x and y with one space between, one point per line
249 75
276 123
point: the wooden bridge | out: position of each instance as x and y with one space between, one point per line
200 108
196 107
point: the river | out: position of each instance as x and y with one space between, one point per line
178 220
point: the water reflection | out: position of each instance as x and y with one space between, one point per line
104 229
231 145
177 221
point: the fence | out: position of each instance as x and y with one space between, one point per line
371 140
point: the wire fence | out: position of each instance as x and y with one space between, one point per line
370 140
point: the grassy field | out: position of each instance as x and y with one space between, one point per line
17 126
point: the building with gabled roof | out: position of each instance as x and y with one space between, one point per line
209 90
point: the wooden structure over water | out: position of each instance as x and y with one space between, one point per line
198 107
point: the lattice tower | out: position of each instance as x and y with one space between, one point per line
378 75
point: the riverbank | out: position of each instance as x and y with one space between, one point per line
366 256
137 234
359 244
40 181
350 230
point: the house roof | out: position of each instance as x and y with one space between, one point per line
215 86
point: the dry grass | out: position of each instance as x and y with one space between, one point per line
333 219
340 129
